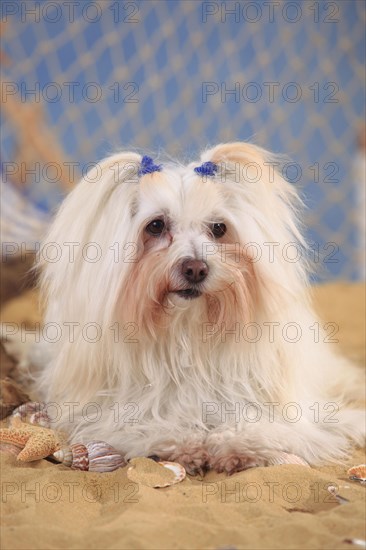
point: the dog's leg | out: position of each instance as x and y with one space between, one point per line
231 450
235 448
190 453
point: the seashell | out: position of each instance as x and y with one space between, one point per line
333 491
287 458
356 542
80 459
96 456
103 457
75 456
40 418
28 408
176 468
33 412
64 456
155 474
358 473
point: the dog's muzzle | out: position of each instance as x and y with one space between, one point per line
194 272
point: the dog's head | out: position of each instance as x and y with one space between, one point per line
156 243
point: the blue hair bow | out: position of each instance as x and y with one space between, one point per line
207 169
148 166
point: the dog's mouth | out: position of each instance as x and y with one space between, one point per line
188 293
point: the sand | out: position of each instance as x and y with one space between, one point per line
48 506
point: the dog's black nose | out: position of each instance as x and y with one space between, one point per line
194 271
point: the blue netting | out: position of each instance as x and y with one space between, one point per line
133 74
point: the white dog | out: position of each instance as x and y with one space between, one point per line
178 302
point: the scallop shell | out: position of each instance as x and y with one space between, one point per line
176 468
96 456
358 473
151 473
287 458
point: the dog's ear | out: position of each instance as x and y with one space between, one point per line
245 163
269 210
86 215
95 188
117 168
241 152
255 179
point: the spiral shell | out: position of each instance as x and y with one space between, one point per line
28 408
358 473
103 457
40 418
33 412
96 456
64 456
80 459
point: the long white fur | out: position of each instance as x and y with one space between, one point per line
153 395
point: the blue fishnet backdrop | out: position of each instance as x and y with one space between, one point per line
180 75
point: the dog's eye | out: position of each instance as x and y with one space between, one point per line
218 230
156 227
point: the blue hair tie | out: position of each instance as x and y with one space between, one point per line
207 169
148 166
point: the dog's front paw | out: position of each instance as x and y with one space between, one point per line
233 462
193 459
